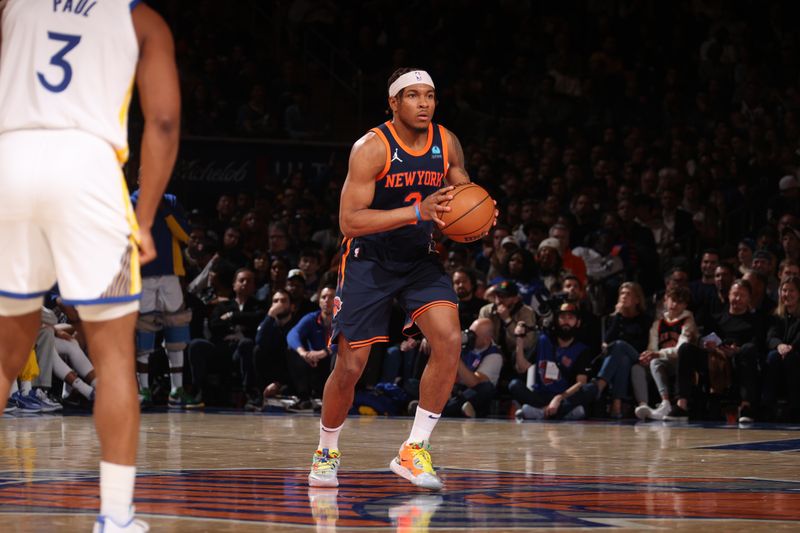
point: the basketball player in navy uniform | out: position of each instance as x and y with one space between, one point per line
400 173
66 79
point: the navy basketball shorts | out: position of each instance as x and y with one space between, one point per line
368 286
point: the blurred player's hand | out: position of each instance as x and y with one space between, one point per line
147 248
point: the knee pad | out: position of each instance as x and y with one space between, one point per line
145 342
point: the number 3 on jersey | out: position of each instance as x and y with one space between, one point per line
414 198
58 61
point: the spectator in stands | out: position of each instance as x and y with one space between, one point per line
548 261
505 311
764 262
569 261
703 289
589 332
478 372
233 326
760 303
310 357
668 333
790 243
559 365
723 279
788 269
782 367
226 208
309 264
279 245
520 267
464 282
269 352
744 254
626 337
231 249
733 352
296 287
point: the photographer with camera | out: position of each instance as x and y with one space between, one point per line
505 311
558 368
478 372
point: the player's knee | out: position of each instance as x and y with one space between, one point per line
446 341
349 369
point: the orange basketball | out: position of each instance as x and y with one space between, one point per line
471 215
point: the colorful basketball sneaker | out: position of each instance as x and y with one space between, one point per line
413 462
324 466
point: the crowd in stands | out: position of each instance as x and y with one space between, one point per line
644 157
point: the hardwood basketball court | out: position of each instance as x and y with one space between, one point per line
225 471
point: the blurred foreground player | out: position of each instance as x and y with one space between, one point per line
399 175
66 79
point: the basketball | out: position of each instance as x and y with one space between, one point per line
471 214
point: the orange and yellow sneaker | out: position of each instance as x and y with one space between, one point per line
324 466
413 462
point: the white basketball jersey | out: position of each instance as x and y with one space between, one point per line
68 64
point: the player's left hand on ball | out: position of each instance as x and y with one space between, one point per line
431 206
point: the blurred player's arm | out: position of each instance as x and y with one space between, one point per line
159 95
367 160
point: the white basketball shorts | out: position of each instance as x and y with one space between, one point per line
66 216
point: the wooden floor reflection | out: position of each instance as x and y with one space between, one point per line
246 472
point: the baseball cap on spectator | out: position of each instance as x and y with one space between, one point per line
762 254
551 242
509 239
296 273
788 182
506 288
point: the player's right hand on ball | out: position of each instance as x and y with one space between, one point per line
431 207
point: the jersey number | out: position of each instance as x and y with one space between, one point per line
414 198
71 41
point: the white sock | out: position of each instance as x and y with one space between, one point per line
13 388
116 491
25 387
329 438
424 422
143 377
81 386
175 368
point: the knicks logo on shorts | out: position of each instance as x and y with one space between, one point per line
337 306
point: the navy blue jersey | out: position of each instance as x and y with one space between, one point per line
407 178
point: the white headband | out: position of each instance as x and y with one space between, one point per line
410 78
